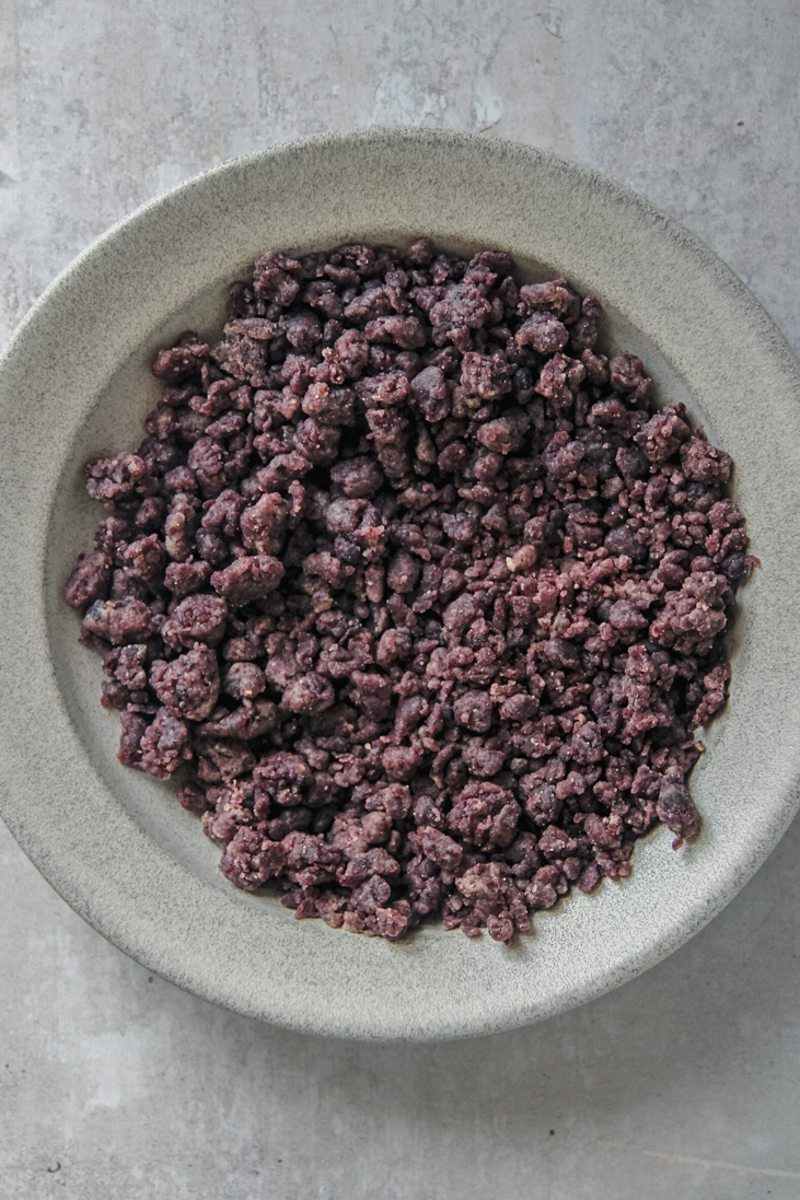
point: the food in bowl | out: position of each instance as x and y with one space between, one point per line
416 589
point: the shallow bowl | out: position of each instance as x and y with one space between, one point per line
75 382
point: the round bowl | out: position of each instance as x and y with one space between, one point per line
75 382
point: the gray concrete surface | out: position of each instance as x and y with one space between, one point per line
685 1082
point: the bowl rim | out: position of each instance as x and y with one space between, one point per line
68 885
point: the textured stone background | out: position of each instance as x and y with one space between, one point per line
685 1082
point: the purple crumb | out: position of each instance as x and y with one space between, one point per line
416 589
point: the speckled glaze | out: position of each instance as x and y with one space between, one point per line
75 382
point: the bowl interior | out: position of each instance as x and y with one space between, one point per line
142 871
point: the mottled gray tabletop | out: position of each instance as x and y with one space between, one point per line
684 1083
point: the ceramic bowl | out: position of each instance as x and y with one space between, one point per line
75 383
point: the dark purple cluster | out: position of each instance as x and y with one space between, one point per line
417 590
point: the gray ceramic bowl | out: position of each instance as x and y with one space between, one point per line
75 382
